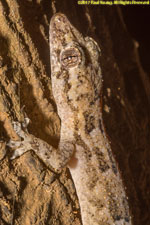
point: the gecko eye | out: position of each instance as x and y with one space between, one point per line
70 57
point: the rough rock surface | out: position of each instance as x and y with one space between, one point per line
29 192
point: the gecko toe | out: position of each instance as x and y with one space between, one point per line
26 122
13 144
18 152
16 126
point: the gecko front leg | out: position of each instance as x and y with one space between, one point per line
56 159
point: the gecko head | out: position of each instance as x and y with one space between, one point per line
64 43
68 48
74 61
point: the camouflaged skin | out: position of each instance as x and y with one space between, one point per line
84 147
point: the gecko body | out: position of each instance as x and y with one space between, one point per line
84 147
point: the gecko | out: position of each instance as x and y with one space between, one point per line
83 147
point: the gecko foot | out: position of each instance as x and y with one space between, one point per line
24 144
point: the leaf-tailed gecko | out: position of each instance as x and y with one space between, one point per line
84 147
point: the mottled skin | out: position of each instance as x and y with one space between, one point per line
84 147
